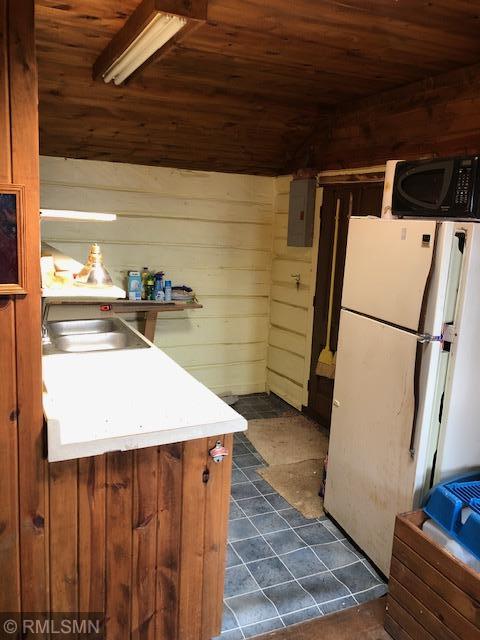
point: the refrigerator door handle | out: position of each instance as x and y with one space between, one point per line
422 339
425 338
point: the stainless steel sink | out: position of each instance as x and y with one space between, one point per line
82 336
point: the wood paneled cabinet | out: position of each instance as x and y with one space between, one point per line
139 537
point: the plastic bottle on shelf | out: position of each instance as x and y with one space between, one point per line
150 287
168 290
159 294
145 274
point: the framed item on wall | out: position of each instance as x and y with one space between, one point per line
12 239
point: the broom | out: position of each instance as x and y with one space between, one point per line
326 359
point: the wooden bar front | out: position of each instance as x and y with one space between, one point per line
139 537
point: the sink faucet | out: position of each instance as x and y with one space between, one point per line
45 310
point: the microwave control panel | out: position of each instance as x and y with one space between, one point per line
463 186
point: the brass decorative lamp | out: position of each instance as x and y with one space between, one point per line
93 273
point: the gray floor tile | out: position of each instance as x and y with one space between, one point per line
357 577
284 541
256 613
278 502
377 592
239 449
315 534
232 558
252 608
252 474
240 529
228 620
255 506
353 548
252 549
269 572
247 460
268 522
263 487
262 627
373 570
235 512
295 518
238 476
238 580
289 597
334 529
303 562
301 616
338 605
334 555
324 587
245 490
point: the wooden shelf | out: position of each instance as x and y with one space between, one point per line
127 306
132 306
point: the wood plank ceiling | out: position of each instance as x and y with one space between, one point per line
244 91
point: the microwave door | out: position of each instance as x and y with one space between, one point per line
426 185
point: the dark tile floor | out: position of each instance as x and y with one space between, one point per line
282 568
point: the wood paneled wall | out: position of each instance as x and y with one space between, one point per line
289 342
435 117
23 509
212 231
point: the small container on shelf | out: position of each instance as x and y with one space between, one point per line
134 285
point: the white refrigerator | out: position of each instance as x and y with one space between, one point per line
406 408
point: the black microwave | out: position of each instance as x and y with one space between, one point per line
446 188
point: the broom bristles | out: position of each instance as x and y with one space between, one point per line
325 370
326 364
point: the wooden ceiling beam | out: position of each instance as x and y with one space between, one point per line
194 11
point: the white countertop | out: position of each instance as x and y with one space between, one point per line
128 399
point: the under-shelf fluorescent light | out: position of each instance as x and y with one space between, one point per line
157 33
63 214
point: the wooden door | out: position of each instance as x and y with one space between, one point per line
358 199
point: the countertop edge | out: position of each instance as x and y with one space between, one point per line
58 452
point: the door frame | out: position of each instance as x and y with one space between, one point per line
325 179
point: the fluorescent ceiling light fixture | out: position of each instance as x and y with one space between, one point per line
65 214
155 35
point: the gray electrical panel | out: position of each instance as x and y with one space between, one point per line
301 212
